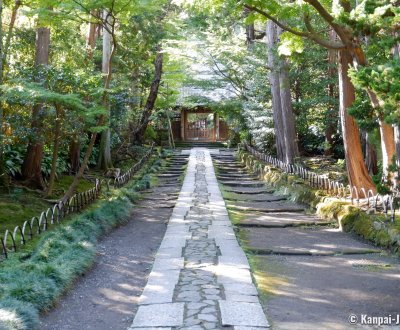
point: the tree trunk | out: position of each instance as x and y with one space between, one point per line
3 66
356 169
91 39
386 130
100 122
57 133
138 134
74 154
31 168
388 147
75 145
78 176
397 143
250 31
331 125
371 156
272 39
2 164
396 55
371 159
14 12
105 162
291 147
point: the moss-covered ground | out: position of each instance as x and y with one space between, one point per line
374 227
18 204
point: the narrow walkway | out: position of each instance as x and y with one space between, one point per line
107 295
200 278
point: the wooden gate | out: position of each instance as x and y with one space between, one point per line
200 127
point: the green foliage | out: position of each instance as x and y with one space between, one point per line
17 315
363 112
32 280
290 44
150 134
383 80
14 160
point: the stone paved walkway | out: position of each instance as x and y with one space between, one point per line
201 277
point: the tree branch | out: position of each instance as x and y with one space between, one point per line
312 36
277 22
234 83
340 31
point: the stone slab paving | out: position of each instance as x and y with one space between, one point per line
201 277
306 241
267 207
282 219
165 315
236 313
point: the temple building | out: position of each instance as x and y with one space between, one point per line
199 124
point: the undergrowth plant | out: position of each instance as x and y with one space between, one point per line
31 281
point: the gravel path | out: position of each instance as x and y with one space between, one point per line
107 296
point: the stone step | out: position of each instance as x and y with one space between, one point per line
281 220
178 161
229 172
180 172
254 198
297 252
161 198
250 191
304 241
252 184
177 168
169 175
271 207
230 166
224 178
224 158
200 144
236 175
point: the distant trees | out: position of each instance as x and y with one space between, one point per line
296 69
55 104
351 53
359 41
32 167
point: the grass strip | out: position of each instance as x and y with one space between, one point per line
31 281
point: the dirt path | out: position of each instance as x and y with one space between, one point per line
106 297
311 275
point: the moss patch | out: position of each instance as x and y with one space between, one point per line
268 276
62 184
285 184
19 206
372 227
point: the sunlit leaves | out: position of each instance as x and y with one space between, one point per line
290 44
